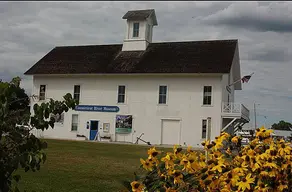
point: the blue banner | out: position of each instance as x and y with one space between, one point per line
97 108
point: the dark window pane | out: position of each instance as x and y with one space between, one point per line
121 98
42 94
136 30
122 89
207 89
77 89
162 99
204 128
162 90
94 125
207 95
76 96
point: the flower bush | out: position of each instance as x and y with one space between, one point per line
263 165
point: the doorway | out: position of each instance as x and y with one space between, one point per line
93 129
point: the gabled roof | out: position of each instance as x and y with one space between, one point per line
167 57
141 15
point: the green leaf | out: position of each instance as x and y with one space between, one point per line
17 178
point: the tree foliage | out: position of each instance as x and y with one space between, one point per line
19 148
282 125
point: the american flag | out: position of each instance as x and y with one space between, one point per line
245 79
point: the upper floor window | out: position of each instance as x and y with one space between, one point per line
136 30
204 128
162 94
121 93
207 97
42 95
77 92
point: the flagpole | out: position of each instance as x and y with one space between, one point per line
238 80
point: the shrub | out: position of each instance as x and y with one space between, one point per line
263 165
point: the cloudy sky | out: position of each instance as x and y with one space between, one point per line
28 30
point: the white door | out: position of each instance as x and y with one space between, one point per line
170 132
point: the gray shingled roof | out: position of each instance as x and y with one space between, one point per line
167 57
140 15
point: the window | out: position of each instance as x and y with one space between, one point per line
207 95
77 92
136 30
121 93
162 94
42 92
204 128
74 124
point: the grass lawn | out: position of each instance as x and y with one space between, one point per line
84 166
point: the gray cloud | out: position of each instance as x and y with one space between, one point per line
253 16
29 30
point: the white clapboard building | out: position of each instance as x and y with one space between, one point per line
167 91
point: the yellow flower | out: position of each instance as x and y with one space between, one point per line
146 164
234 180
281 187
153 152
245 182
177 176
284 149
235 139
136 186
240 169
262 187
153 160
270 164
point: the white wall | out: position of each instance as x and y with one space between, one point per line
185 98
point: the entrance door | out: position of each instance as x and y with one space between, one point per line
93 129
170 132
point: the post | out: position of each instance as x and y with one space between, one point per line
208 134
255 116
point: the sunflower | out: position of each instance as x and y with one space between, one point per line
146 164
235 139
153 152
136 186
262 187
245 182
178 177
284 149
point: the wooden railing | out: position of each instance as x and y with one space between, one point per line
235 108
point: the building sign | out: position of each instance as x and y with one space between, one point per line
124 123
97 108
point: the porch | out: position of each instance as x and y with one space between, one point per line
234 116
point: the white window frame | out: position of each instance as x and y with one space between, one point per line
211 101
136 30
74 123
122 94
202 132
166 95
45 92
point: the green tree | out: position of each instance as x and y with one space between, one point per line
282 125
19 148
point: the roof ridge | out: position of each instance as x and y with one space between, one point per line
159 42
93 45
191 41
